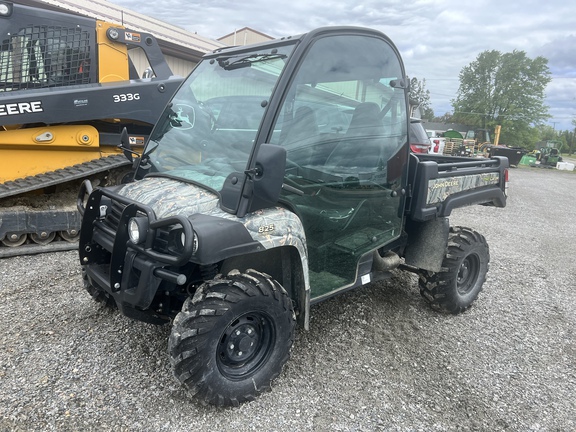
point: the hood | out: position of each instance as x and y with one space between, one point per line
271 227
168 197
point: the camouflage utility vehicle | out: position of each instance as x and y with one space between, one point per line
278 176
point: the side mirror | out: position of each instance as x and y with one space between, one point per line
270 168
264 181
125 145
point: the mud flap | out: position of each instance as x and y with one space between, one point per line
427 244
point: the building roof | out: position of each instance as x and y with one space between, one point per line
446 126
245 36
249 30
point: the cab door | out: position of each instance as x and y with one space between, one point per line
344 125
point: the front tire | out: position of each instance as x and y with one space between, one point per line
458 283
232 338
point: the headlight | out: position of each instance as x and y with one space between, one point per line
179 239
5 9
137 229
195 244
194 241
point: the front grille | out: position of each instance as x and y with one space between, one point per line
112 222
112 219
109 213
161 240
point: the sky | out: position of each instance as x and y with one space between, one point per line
436 38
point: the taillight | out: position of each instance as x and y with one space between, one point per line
419 148
506 182
436 145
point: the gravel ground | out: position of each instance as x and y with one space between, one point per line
374 359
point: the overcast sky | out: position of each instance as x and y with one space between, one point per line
436 38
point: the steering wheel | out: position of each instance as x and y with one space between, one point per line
167 161
206 109
290 163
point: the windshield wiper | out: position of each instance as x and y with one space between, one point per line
230 63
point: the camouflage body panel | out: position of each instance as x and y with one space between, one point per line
272 227
442 188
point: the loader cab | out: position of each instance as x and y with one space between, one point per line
44 49
317 124
41 48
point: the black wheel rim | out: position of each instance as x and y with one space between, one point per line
245 345
467 274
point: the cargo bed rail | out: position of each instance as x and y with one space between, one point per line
439 184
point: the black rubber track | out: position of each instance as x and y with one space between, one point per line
63 175
53 178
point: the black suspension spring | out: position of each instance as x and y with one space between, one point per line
208 272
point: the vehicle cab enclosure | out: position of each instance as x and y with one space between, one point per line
279 173
324 114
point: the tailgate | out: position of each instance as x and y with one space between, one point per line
437 187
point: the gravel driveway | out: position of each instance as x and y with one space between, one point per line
374 359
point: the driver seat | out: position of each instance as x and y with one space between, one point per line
363 146
302 135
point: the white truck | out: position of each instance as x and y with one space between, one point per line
437 141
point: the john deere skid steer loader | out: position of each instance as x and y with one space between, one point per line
67 90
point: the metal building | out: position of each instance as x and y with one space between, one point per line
244 36
182 49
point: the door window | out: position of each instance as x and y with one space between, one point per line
344 126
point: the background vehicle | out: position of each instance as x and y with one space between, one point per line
437 141
549 156
235 239
478 140
419 141
67 90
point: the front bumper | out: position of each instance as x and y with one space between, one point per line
130 273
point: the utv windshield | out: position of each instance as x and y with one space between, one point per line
209 129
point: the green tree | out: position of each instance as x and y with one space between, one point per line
506 89
421 95
446 118
571 138
547 133
563 140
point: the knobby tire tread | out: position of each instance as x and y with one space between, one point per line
439 289
193 326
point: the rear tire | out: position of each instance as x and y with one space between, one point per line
232 338
458 283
